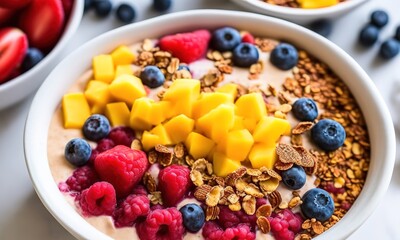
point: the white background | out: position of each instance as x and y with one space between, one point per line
22 216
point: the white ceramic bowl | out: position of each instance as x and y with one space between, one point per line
299 15
20 87
58 82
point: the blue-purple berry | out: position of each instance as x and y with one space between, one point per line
305 109
294 178
318 204
328 134
245 55
96 127
152 77
284 56
77 152
225 39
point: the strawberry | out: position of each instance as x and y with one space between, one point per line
13 46
174 183
121 166
5 15
188 47
43 22
14 4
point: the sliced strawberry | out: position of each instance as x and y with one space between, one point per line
5 15
14 4
188 47
13 46
43 22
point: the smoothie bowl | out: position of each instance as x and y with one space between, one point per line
209 129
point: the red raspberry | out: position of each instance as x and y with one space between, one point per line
285 225
260 202
104 145
121 166
161 224
174 183
130 209
82 178
330 187
211 231
99 199
247 37
139 190
188 47
122 136
93 156
228 218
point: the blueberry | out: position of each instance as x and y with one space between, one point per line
184 67
323 27
305 109
152 77
389 49
328 134
32 57
397 34
162 5
96 127
77 152
87 5
225 39
193 217
368 35
102 7
284 56
294 178
125 13
244 55
379 18
318 204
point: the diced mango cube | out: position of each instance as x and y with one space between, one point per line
127 88
262 155
97 93
209 101
97 109
160 131
250 124
103 68
179 127
122 55
229 88
238 123
317 3
270 129
223 165
198 146
182 94
145 112
118 114
157 135
160 111
123 69
238 144
251 106
75 109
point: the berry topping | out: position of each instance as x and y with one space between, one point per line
121 166
318 204
285 225
184 67
77 152
225 39
174 183
104 145
389 49
284 56
368 35
323 27
139 190
130 209
82 178
244 55
193 217
162 5
122 136
32 57
397 34
328 134
163 224
305 109
96 127
247 37
229 219
211 231
102 7
294 178
152 77
188 47
379 18
99 199
125 13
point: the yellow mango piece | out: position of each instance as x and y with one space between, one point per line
118 113
198 146
122 55
178 128
209 101
145 113
262 155
251 106
123 69
127 88
150 140
317 3
270 129
160 131
160 111
238 123
103 68
182 94
75 110
223 165
250 124
97 93
238 144
229 88
97 109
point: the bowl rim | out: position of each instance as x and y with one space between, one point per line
69 29
35 151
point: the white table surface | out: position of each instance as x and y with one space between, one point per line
22 216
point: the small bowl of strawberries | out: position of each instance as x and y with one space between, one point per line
32 36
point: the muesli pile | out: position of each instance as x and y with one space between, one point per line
268 140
